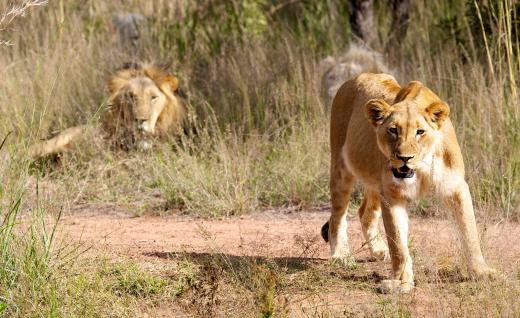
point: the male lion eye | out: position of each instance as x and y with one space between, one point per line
420 132
393 130
154 97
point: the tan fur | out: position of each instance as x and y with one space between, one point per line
142 104
366 112
62 142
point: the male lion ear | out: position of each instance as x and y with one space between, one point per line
437 113
172 81
376 111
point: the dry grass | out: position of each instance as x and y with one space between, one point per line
249 69
281 287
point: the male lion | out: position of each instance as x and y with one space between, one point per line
142 105
400 143
335 71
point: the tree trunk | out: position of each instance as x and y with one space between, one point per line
362 22
400 20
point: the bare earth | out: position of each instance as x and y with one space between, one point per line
112 231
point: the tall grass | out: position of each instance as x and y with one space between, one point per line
27 258
249 69
236 173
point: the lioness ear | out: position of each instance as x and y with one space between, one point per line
376 111
437 113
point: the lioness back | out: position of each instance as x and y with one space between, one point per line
348 111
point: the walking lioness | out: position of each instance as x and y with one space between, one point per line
400 143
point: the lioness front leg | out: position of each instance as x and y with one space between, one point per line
462 206
395 219
340 188
369 215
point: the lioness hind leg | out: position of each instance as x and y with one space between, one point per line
369 215
340 187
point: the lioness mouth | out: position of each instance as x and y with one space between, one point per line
403 172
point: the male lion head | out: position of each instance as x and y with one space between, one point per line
142 105
408 129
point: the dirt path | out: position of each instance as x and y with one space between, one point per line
270 233
112 231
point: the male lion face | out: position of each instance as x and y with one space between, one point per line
146 102
407 130
142 105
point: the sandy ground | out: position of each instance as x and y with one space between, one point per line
113 231
280 233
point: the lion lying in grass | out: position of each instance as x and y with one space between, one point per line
142 106
400 143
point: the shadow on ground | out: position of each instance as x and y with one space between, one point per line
290 264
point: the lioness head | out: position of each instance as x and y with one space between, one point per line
407 130
142 104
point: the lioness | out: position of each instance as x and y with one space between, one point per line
400 143
142 105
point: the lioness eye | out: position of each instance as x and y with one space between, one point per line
393 130
420 132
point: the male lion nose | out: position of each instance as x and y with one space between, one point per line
405 159
140 123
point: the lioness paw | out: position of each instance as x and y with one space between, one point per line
381 253
484 272
379 250
392 286
346 261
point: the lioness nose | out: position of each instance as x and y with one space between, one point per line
405 159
